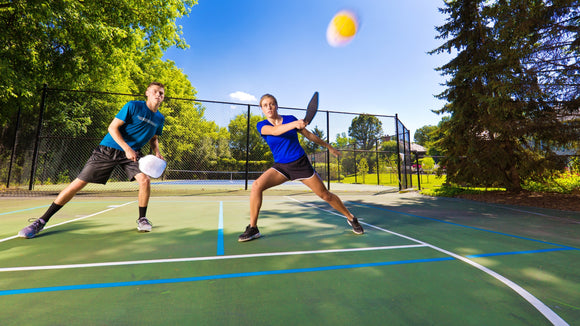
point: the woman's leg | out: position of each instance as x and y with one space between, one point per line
315 183
268 179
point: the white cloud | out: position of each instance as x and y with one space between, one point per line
244 97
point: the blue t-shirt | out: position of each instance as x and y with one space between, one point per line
141 124
285 147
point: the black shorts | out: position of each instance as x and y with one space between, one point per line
297 170
103 161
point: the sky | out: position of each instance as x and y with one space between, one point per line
240 50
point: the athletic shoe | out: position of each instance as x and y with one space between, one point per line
356 228
250 234
143 225
32 230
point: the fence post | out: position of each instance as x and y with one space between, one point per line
378 167
408 146
398 150
418 170
247 148
327 150
37 143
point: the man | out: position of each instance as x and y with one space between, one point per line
136 124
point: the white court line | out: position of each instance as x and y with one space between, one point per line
76 219
539 305
190 259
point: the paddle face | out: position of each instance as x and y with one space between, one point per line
152 166
312 108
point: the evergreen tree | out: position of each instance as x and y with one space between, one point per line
500 109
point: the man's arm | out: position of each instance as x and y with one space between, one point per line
154 144
116 134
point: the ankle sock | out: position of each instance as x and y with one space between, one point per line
50 212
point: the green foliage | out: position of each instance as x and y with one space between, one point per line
365 130
109 46
342 141
427 163
559 182
258 149
423 135
363 168
509 90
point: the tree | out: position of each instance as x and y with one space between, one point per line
365 130
499 111
363 168
422 135
113 46
258 149
342 141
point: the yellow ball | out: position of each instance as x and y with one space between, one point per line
345 24
342 28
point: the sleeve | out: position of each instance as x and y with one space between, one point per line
125 112
259 126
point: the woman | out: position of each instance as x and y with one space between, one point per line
290 163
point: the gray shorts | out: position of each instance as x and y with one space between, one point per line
103 161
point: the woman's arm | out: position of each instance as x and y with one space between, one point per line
280 129
317 140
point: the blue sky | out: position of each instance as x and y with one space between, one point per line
240 50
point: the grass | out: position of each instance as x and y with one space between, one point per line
428 181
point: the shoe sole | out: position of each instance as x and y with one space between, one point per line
24 236
255 236
143 230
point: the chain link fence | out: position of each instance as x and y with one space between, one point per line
207 144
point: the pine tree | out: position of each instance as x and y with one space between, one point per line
503 113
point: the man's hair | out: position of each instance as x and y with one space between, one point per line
156 84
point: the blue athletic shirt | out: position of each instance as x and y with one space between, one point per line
141 124
285 147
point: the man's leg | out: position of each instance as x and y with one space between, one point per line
144 181
63 197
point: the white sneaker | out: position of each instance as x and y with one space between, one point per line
143 225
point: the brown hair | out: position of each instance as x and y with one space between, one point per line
156 84
265 96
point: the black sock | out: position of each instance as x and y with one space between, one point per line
50 212
142 211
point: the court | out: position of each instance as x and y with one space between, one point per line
421 261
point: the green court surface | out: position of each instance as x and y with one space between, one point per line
421 261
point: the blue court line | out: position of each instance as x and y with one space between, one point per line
518 252
216 277
467 226
24 210
220 240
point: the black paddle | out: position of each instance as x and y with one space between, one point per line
312 108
